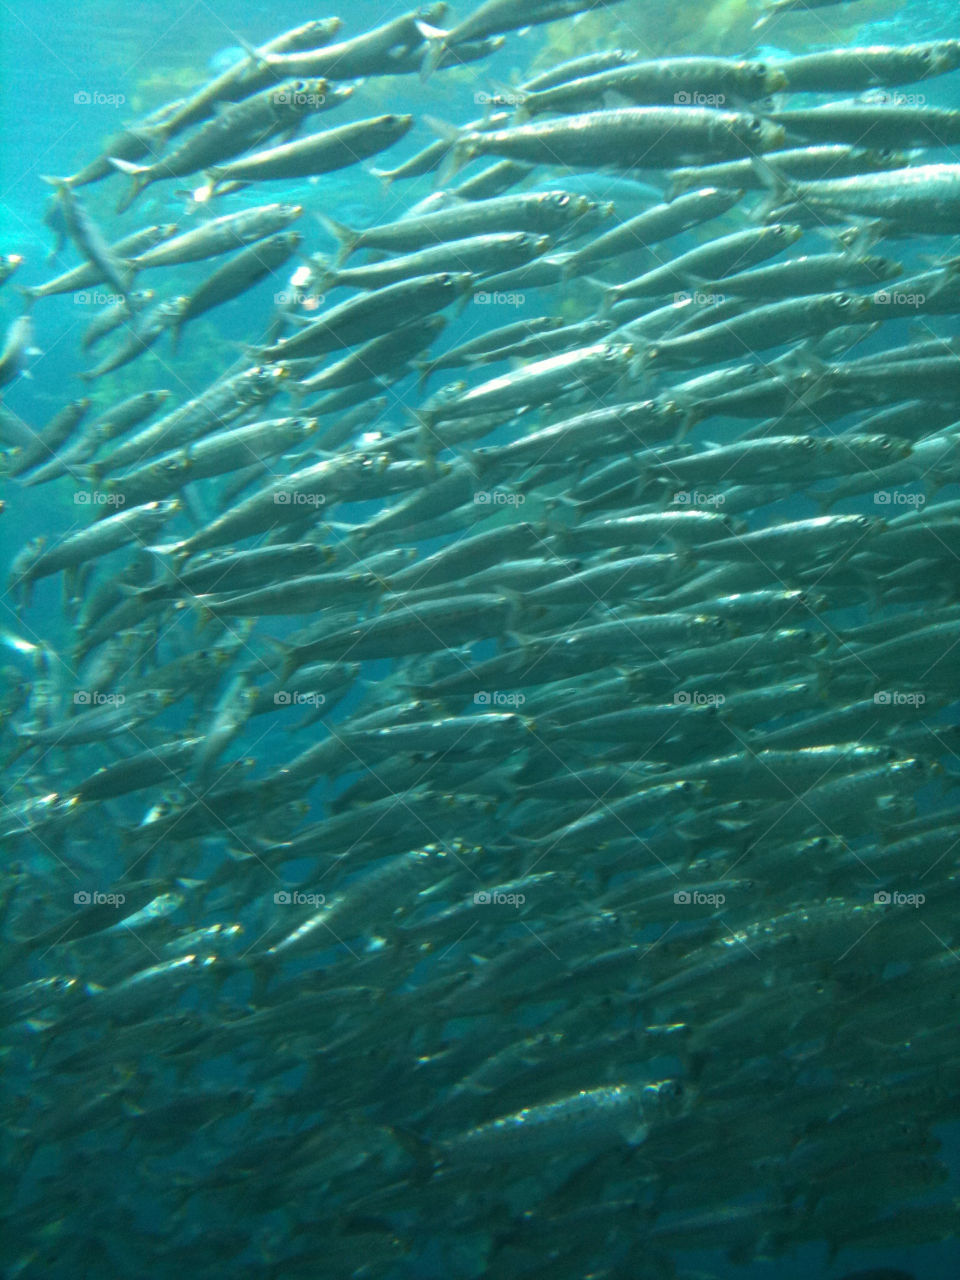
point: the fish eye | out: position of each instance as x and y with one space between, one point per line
756 126
760 68
562 201
843 300
300 86
779 231
863 522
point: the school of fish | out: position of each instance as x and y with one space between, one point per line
497 813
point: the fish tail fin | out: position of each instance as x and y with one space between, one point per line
324 273
139 173
436 41
30 293
385 177
425 369
345 236
779 189
462 150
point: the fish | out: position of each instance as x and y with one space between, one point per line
319 153
235 129
220 235
244 270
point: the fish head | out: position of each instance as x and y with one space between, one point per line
759 79
760 135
